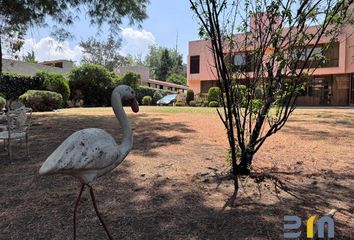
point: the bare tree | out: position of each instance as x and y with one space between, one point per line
264 52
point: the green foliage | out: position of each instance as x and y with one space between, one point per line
192 103
42 100
106 53
214 94
163 62
158 95
93 83
190 96
177 79
13 85
179 103
55 82
147 100
2 103
129 78
18 16
214 104
142 91
30 57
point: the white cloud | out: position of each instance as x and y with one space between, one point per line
50 49
136 41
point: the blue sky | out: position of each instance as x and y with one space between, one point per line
167 18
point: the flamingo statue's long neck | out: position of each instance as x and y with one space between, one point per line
127 143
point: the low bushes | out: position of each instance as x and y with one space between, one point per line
147 100
13 85
93 83
2 103
42 100
214 94
55 82
193 103
190 96
213 104
129 78
179 103
143 91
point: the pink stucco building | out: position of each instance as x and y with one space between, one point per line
332 84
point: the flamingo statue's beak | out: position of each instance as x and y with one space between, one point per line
134 105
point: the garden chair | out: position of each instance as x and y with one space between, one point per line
18 123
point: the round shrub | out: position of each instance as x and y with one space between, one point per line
42 100
193 103
179 103
55 82
190 96
129 78
213 104
157 96
147 100
214 94
12 85
2 103
93 83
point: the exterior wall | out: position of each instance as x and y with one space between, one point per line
143 71
30 68
340 88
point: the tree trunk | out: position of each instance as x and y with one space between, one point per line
244 168
0 56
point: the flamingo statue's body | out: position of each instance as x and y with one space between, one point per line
90 153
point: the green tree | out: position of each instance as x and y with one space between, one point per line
92 83
281 38
177 79
164 67
106 53
30 57
163 62
17 16
129 78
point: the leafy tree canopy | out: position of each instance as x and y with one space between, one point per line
16 16
177 79
163 62
103 53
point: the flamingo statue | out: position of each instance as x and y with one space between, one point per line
92 152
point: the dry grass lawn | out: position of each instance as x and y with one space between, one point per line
171 184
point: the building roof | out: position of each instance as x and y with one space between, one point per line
167 84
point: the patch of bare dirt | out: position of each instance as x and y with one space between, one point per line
172 185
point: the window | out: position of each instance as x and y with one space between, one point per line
320 57
194 64
205 85
240 60
243 62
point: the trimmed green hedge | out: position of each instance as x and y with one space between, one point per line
42 100
13 85
147 100
190 96
214 94
55 82
91 83
214 104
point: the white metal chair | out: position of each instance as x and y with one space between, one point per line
18 124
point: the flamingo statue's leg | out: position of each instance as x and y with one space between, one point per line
98 214
75 209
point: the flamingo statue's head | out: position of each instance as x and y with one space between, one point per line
128 96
